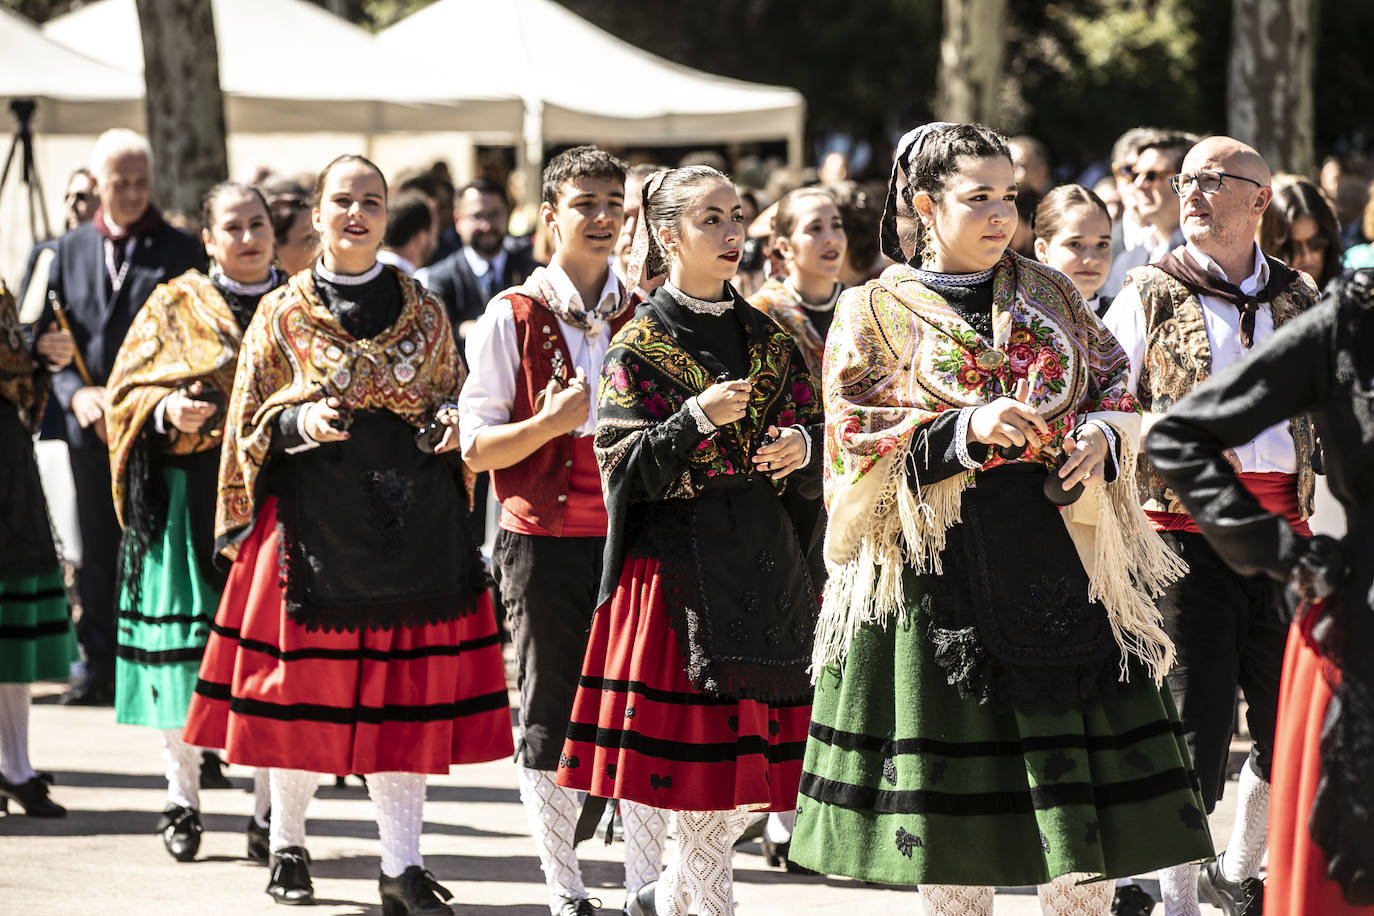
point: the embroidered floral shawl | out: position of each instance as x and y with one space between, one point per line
295 351
185 332
784 306
897 355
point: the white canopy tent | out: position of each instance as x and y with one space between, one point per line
580 83
290 66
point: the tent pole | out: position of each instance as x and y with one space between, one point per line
529 158
796 139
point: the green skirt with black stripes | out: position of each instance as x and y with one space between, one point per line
907 782
162 638
36 639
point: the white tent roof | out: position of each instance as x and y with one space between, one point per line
581 83
287 65
74 92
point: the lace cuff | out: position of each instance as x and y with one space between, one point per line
961 439
806 437
307 443
704 424
1111 440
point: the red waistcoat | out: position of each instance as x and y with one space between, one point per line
537 487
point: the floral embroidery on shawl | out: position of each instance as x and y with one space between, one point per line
185 332
784 306
897 356
295 351
17 367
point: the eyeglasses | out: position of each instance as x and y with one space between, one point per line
1207 182
81 197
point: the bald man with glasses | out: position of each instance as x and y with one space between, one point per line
1198 309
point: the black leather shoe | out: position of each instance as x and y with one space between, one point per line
1132 900
259 844
90 692
414 893
32 797
642 903
212 772
181 830
1234 898
290 881
578 906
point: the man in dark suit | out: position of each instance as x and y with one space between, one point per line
489 261
102 274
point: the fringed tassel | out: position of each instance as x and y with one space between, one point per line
1132 566
906 527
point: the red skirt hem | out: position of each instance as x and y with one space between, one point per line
1297 866
405 699
640 730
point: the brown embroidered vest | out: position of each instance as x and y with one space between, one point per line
1178 358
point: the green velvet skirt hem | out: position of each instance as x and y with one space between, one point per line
36 638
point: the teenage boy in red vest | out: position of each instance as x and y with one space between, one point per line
528 414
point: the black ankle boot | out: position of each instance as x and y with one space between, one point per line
181 830
414 893
259 846
290 881
212 772
32 797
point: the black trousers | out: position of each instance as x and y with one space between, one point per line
548 586
95 580
1228 632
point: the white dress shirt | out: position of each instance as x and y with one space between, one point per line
1271 450
493 353
387 256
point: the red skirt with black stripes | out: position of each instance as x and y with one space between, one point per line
407 699
642 732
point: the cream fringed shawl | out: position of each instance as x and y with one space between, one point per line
896 356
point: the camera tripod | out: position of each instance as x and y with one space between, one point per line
28 172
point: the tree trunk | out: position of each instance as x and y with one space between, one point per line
971 53
1269 86
184 103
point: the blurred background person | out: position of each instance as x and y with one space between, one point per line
410 233
490 260
1073 234
1107 190
1362 255
1300 229
1030 163
297 242
1149 222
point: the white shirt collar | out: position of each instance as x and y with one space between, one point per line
115 228
567 292
387 256
481 265
1259 276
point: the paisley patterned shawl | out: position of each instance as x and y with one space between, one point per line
785 307
896 356
184 332
19 373
295 351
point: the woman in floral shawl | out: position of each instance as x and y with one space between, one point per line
987 665
167 391
695 693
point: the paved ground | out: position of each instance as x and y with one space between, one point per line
104 858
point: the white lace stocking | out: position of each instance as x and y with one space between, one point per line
291 794
1064 896
646 828
956 900
400 802
14 733
262 795
552 811
702 879
1178 887
1245 850
183 769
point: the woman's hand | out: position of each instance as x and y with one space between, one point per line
448 416
88 406
783 455
186 412
725 402
319 421
1086 451
1008 421
57 347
